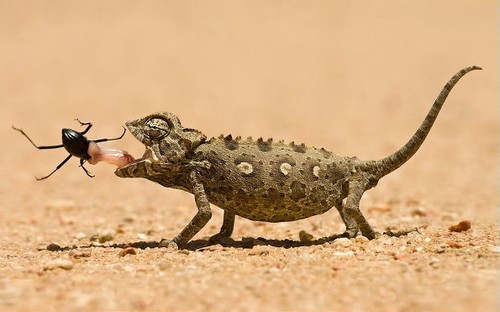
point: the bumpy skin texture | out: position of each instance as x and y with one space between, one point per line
275 182
263 180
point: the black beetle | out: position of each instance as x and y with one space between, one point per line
75 143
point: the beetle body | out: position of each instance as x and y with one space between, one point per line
75 143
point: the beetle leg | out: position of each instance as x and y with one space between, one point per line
82 161
88 124
57 168
39 147
113 139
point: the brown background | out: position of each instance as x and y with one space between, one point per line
356 78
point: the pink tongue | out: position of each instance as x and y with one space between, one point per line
109 155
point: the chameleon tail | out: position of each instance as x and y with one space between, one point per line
386 165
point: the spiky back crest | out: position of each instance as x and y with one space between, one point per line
269 145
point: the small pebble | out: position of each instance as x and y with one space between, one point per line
106 235
58 264
54 247
343 242
80 236
77 254
454 244
142 236
419 212
361 239
460 227
120 229
127 251
305 237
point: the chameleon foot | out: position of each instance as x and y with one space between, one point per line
168 243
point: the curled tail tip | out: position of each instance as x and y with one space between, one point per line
464 71
475 67
388 164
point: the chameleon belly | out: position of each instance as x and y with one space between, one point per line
274 182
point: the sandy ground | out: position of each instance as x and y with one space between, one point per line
356 78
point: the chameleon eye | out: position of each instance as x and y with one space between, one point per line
156 128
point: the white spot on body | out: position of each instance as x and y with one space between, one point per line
285 168
245 167
316 171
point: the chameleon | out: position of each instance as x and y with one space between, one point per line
262 180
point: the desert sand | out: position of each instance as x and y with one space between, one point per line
356 78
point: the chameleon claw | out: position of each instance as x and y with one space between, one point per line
167 243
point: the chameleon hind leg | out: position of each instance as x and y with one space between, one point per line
351 227
227 227
357 186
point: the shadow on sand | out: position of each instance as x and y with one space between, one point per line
202 245
246 242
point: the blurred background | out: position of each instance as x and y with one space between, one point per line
356 78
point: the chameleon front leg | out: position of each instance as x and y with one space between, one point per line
201 218
227 227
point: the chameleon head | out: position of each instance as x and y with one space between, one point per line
166 142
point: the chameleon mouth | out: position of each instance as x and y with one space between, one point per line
130 161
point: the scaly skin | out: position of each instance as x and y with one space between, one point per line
263 180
